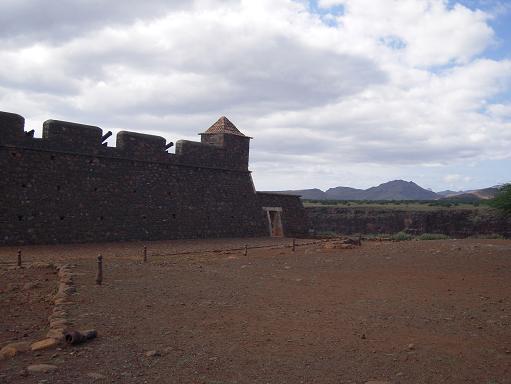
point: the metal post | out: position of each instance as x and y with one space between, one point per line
294 245
99 276
246 250
19 257
145 254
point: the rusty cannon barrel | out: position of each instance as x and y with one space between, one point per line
169 145
76 337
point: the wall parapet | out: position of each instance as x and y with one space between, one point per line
80 139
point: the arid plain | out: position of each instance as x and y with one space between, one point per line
203 312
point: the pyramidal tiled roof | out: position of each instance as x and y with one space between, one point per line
223 125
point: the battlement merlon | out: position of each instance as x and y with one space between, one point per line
139 143
11 126
72 135
221 146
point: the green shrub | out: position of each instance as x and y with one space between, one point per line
432 236
326 233
377 236
401 236
503 200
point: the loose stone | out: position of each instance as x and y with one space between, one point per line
12 349
96 376
43 368
44 344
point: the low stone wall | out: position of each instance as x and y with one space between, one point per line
452 222
59 321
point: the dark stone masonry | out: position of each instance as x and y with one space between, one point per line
70 187
453 222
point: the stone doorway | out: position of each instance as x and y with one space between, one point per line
274 215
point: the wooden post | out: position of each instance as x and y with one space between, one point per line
145 254
294 245
246 250
99 276
19 257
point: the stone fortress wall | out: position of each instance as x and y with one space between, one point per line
70 187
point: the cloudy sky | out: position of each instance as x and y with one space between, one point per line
334 92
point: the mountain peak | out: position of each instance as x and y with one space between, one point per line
398 181
391 190
399 190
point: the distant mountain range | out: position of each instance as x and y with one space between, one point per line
392 190
485 193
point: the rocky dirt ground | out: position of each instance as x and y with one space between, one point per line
25 302
407 312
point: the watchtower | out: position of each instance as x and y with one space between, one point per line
225 134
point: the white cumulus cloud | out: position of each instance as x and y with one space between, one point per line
389 85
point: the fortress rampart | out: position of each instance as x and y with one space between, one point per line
70 187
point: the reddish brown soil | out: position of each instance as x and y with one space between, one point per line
25 302
409 312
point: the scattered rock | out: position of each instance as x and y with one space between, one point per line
44 368
57 334
410 347
66 268
67 280
66 289
58 313
357 241
44 344
62 301
40 264
29 286
377 382
152 353
7 352
337 245
58 323
12 349
95 376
